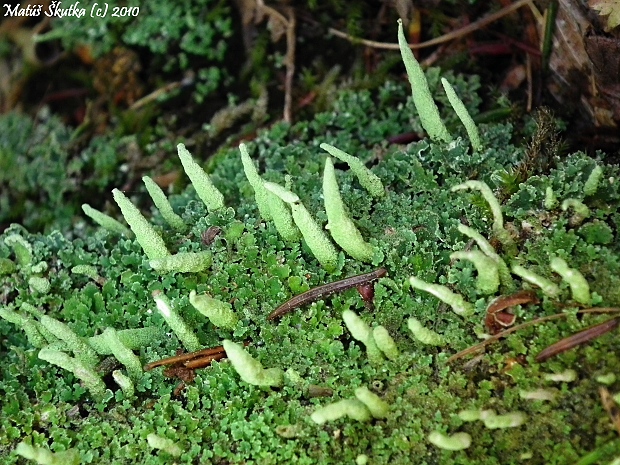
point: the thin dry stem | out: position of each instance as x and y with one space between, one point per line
465 30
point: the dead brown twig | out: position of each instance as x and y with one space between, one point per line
497 337
280 24
465 30
191 358
611 407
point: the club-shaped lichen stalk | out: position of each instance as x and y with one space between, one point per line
163 205
578 285
176 323
565 376
74 342
352 408
218 312
455 301
133 339
488 273
85 373
591 185
207 192
369 180
422 98
313 234
270 206
34 311
21 248
341 227
423 334
44 456
504 274
378 408
581 211
548 287
464 116
183 262
123 354
106 222
260 193
507 420
457 441
384 342
498 219
124 382
362 332
251 370
551 200
165 444
27 324
151 242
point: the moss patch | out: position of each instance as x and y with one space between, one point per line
221 419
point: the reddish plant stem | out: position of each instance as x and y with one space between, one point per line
578 338
320 292
497 337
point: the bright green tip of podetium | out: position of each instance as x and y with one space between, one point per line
424 335
340 226
123 354
151 242
208 193
547 286
378 408
366 178
219 313
251 370
498 219
362 332
260 193
21 248
422 98
85 373
165 444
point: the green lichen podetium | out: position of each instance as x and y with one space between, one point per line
153 245
424 103
313 234
220 418
463 114
270 206
208 193
341 227
161 202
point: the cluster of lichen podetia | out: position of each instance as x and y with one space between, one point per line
292 221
